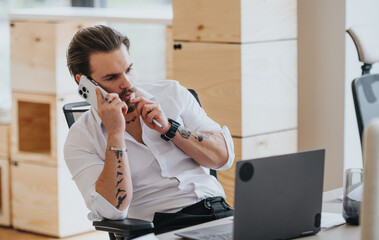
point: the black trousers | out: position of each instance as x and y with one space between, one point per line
204 211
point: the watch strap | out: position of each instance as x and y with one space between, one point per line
172 131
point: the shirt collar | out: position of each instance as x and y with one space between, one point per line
139 93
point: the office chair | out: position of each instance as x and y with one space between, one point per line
366 87
127 228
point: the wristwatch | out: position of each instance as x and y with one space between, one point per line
172 131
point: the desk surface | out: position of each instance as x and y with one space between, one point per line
160 16
330 204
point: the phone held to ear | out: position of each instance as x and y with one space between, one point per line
87 90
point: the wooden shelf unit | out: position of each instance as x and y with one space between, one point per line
46 201
241 58
234 21
5 207
251 88
38 57
4 141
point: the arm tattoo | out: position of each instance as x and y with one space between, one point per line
120 200
118 182
184 133
201 136
119 191
118 154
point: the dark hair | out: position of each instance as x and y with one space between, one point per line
90 40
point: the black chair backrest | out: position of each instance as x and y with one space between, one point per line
366 99
72 111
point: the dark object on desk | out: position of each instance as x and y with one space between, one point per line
351 211
352 196
127 228
282 199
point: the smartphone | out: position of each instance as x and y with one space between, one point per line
87 91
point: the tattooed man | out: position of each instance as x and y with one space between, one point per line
147 151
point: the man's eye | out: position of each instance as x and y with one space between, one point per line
110 78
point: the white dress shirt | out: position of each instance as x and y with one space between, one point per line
164 178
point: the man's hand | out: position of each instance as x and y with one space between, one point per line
149 110
112 112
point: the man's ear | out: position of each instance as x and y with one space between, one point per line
77 77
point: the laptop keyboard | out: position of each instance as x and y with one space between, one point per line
221 236
220 232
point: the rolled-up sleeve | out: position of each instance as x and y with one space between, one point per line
194 117
85 164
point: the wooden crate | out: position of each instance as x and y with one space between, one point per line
4 141
251 88
38 56
256 147
39 127
238 21
5 207
45 200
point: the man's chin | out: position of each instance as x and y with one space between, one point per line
131 107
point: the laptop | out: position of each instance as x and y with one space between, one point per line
277 197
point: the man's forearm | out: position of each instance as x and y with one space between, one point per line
114 182
206 148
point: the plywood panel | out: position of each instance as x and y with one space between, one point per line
213 70
33 56
4 141
251 88
269 87
268 20
211 20
38 56
34 128
256 147
238 21
5 207
35 198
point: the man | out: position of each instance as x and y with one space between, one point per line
147 150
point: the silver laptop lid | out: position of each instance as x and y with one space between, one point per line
279 197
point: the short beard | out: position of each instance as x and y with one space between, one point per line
131 107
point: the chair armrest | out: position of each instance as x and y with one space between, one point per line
128 227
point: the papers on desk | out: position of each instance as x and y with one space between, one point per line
331 220
150 236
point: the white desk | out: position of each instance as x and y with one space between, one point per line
330 204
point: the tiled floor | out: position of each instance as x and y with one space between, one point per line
12 234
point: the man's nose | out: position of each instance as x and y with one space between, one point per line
125 81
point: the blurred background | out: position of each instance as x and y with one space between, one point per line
148 40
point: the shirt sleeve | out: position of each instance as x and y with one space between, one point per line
86 166
194 117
